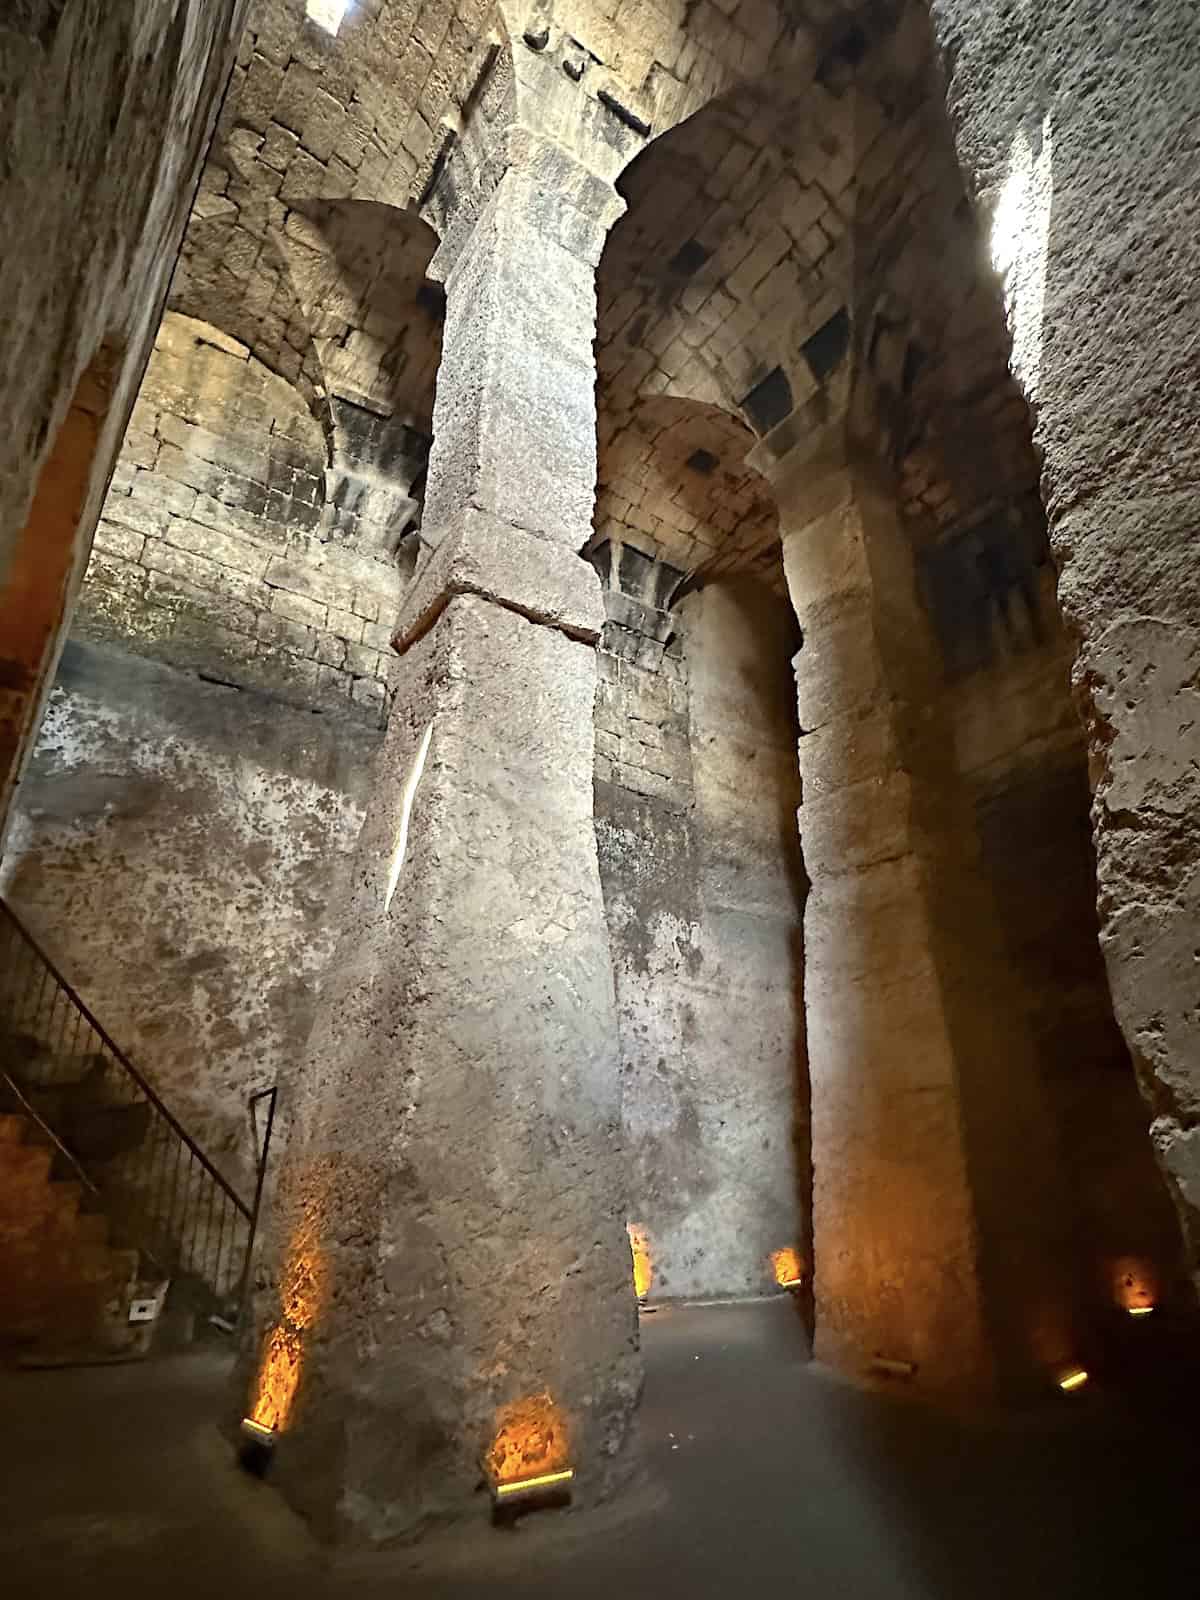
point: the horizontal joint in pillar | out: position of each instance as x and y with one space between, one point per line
545 582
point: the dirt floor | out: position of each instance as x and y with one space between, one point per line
759 1473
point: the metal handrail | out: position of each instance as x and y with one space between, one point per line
120 1056
156 1183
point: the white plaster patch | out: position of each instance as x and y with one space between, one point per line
407 797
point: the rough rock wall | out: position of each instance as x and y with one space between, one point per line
1022 750
213 552
175 848
1077 121
695 818
106 107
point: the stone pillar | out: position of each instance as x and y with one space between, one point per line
932 1210
450 1237
1074 116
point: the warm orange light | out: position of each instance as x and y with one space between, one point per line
1135 1285
643 1263
788 1267
278 1379
531 1442
1073 1380
302 1292
258 1430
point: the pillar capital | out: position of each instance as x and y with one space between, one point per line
533 147
827 467
529 183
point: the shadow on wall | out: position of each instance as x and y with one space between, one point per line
44 566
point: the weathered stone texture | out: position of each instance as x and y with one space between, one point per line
703 885
102 143
1021 749
462 1085
213 552
1105 96
468 1202
175 848
921 1073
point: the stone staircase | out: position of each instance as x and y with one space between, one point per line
106 1202
68 1293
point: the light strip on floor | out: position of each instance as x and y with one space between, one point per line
546 1480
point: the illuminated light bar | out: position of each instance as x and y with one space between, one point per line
1073 1380
257 1446
523 1486
893 1369
1140 1311
790 1283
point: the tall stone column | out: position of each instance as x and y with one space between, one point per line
454 1275
931 1177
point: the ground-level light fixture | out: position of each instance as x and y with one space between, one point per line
256 1446
1135 1285
891 1367
528 1463
1074 1379
524 1494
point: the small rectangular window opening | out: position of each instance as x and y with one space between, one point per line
327 14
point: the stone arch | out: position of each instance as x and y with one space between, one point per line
360 270
863 344
674 482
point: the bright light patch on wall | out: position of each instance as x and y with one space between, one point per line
327 14
1135 1285
787 1267
406 804
530 1453
643 1261
1020 243
303 1293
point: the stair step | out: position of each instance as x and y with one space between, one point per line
24 1165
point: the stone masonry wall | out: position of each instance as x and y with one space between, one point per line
175 849
695 820
185 813
106 109
212 552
